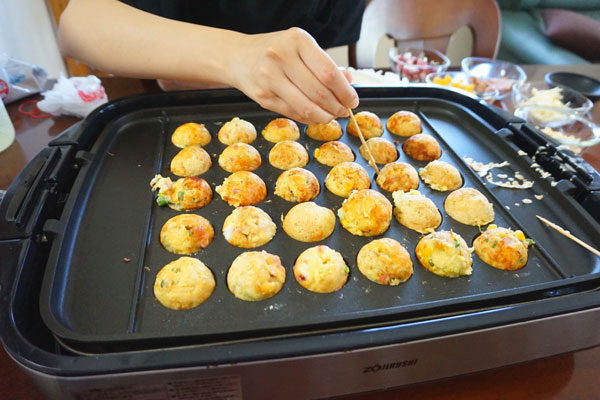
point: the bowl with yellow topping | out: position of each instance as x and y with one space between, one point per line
561 126
458 80
552 97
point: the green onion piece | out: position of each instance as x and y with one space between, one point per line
162 200
529 242
162 283
431 264
456 243
190 231
180 195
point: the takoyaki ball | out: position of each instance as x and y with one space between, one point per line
243 188
248 227
191 161
366 213
182 195
469 206
309 222
440 175
255 276
190 134
404 123
502 248
398 176
346 177
422 147
239 157
325 132
385 261
183 284
321 269
416 212
288 154
334 153
237 131
370 125
383 150
186 234
297 185
445 253
281 129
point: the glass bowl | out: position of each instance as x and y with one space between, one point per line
562 126
540 93
415 64
457 79
487 72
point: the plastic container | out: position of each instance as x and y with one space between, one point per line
458 80
415 64
562 126
486 72
7 130
541 94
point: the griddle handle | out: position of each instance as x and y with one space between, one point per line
14 206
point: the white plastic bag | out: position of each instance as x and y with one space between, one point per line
19 79
73 96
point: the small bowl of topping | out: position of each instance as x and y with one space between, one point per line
487 73
415 64
562 126
540 93
457 79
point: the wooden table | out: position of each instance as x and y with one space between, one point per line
568 376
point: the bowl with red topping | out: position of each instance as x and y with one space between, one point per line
415 64
487 73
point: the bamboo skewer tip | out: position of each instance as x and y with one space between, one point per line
372 162
569 235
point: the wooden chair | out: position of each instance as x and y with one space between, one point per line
426 23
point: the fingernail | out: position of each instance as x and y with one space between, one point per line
354 103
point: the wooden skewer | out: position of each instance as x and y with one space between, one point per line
567 234
372 162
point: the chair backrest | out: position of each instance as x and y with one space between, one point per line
426 23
